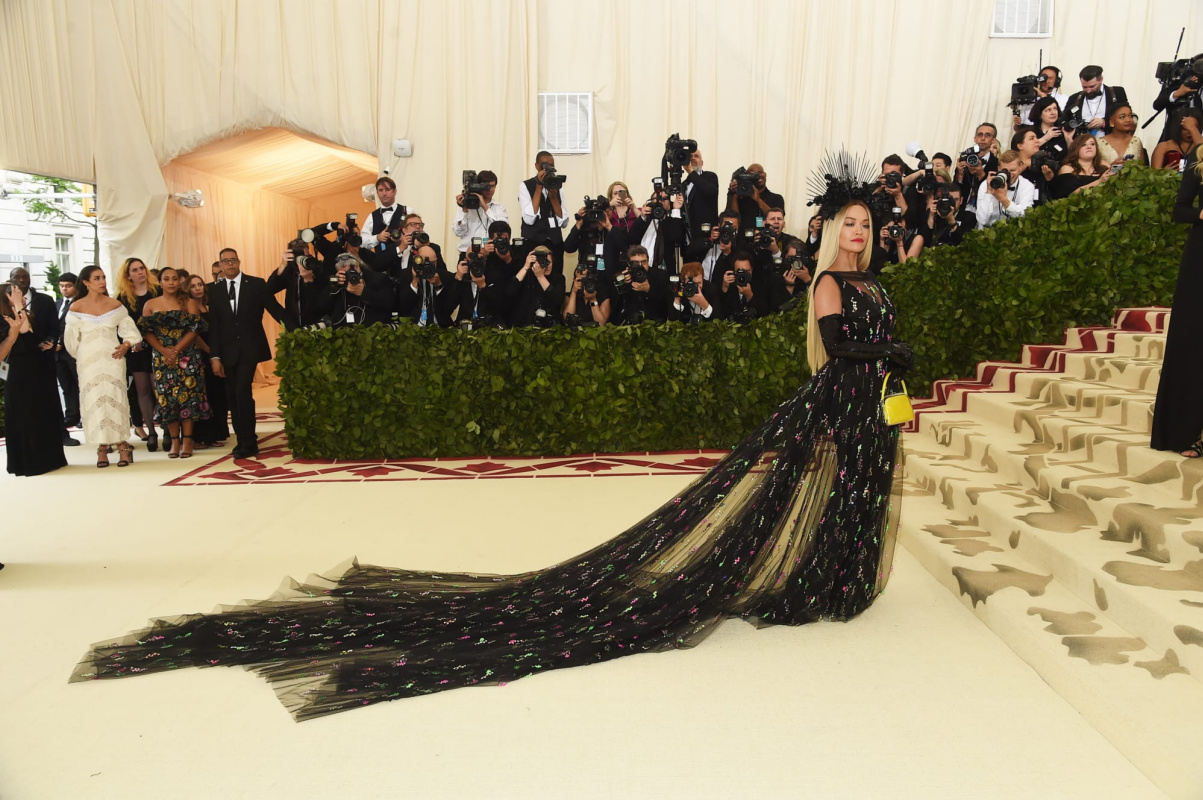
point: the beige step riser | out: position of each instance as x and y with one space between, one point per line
1129 521
1160 751
1082 454
1077 565
1061 402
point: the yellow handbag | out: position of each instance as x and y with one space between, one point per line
895 408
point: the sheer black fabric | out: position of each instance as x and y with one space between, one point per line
795 525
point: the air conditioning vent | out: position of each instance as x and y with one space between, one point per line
566 122
1022 19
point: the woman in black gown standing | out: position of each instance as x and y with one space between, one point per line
136 286
795 525
33 417
1178 415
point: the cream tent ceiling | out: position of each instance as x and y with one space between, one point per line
287 163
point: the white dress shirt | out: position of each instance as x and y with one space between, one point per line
367 229
990 210
528 207
475 222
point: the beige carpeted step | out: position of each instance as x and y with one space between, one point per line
1033 494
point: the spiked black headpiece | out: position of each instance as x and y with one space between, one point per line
839 179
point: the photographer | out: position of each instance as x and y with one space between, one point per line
481 284
701 197
744 290
890 185
296 276
713 252
544 212
748 196
792 281
976 162
1093 106
594 226
1036 167
1004 194
1187 128
898 242
536 292
589 299
1047 84
1046 121
472 218
503 254
660 227
396 261
425 295
1181 92
355 295
814 234
694 298
946 222
642 289
381 226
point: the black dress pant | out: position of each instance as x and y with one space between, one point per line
69 381
239 380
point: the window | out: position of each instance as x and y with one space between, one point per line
62 253
566 122
1022 19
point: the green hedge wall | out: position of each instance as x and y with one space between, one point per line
367 392
376 392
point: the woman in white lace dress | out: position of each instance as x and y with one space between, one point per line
99 334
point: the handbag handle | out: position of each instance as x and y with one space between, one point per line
886 382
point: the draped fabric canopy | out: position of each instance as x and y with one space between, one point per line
121 92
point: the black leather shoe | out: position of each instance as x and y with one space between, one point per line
69 442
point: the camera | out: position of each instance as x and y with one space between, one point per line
894 230
1043 159
927 181
300 257
1171 72
596 209
588 268
638 273
1023 91
893 180
745 182
476 263
764 239
677 151
352 236
797 263
727 232
945 205
552 181
742 277
503 246
543 319
420 239
971 158
1000 181
353 276
543 260
425 267
472 187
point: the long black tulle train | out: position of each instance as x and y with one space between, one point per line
795 525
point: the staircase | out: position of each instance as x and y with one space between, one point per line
1032 494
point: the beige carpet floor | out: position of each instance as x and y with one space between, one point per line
914 699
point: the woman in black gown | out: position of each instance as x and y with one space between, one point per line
33 417
795 525
1178 415
137 286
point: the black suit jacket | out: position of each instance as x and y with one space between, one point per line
62 355
701 202
1114 97
233 338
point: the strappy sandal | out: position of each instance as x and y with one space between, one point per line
127 454
186 453
102 456
1194 451
175 448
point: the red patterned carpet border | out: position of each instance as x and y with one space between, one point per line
275 464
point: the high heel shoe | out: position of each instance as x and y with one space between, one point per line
140 433
102 456
188 452
175 447
152 442
127 454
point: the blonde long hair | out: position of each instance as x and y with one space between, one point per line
1198 159
125 287
829 250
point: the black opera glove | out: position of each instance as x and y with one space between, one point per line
838 345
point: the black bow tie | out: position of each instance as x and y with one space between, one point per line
1093 95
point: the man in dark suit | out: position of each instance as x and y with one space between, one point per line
544 212
68 380
237 343
701 197
45 326
1093 105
